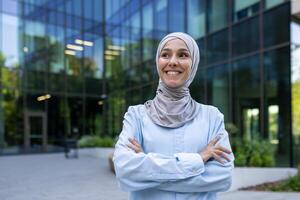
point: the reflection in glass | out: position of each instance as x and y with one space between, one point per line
295 81
93 116
272 3
160 13
217 47
11 136
35 80
196 18
245 37
245 8
197 87
246 95
250 124
272 18
74 120
277 84
147 31
176 14
56 129
218 88
217 14
9 39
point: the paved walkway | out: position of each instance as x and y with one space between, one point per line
52 177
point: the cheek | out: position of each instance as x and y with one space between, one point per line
161 63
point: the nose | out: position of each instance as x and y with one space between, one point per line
173 61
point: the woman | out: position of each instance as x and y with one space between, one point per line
173 147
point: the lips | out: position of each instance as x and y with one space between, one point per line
173 72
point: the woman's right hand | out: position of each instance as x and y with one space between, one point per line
214 151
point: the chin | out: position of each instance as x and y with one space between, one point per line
173 84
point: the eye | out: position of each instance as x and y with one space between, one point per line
164 55
184 55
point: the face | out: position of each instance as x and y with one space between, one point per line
174 63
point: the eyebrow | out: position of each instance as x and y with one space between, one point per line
182 49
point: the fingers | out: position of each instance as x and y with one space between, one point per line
217 158
215 140
221 154
224 149
134 148
134 145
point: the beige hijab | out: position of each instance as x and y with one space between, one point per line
173 107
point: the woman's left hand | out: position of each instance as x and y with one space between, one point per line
134 145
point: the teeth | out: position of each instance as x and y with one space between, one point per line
172 73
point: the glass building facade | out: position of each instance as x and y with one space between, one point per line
72 67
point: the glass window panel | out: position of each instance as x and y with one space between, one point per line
196 18
147 18
136 20
203 52
88 9
147 31
245 37
217 47
197 87
11 136
176 16
160 13
35 80
94 116
295 61
272 3
246 96
9 39
10 6
56 82
57 115
98 57
277 19
218 88
277 84
10 78
217 14
74 120
116 107
245 8
98 9
55 49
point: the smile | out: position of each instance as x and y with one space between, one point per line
173 72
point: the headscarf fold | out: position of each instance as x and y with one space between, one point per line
173 107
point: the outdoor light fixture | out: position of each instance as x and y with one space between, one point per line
112 53
109 57
70 52
25 49
74 47
100 103
115 47
44 97
84 42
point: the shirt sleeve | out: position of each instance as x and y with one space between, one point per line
138 171
216 177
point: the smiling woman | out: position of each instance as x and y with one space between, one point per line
172 147
174 63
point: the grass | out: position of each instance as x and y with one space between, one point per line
291 184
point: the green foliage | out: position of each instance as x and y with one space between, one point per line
292 184
254 152
95 141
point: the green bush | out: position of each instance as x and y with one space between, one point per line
95 141
291 184
253 153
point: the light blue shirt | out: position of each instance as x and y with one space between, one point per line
171 167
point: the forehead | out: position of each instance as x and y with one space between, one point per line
175 44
